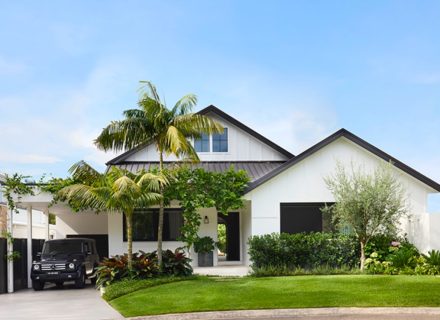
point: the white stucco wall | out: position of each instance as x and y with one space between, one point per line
118 246
304 182
80 223
241 147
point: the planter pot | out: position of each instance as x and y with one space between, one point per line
206 259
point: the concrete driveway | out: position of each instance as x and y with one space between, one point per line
53 303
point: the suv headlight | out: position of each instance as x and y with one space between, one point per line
71 265
36 267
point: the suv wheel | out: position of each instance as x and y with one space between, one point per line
80 282
37 285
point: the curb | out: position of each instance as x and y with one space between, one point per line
287 313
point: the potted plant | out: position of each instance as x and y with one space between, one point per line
204 247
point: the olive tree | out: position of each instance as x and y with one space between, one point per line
368 203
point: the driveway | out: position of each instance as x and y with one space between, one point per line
53 303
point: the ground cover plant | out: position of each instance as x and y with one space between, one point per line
207 294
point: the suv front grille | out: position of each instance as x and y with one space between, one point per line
53 267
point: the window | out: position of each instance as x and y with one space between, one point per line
145 222
220 141
202 144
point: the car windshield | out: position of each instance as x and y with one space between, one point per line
62 247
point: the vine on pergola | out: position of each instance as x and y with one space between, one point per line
197 188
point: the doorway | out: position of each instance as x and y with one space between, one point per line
230 225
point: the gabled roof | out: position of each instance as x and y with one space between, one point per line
245 128
350 136
228 118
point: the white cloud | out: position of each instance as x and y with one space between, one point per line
58 124
26 158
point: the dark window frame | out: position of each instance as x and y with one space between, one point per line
203 141
220 141
303 204
155 218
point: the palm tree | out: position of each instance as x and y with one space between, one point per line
171 130
115 191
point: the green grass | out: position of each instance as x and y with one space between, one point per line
124 287
208 294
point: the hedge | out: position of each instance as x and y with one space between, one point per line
303 250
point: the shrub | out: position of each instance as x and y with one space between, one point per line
204 245
145 266
306 251
392 257
176 263
429 264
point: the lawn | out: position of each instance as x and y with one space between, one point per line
208 294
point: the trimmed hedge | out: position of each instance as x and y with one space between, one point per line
306 251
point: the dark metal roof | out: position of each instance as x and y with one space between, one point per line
350 136
255 169
217 111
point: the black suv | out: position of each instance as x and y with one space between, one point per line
73 259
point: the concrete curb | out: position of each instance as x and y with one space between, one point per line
286 313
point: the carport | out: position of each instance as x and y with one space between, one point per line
69 224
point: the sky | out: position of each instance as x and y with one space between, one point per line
295 71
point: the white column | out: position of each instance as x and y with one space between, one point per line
46 214
29 244
10 250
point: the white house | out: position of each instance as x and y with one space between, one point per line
285 192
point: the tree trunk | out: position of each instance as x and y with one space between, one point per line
128 220
161 214
362 255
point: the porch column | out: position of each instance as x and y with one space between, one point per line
29 244
46 215
10 250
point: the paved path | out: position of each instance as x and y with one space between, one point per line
223 271
310 314
51 303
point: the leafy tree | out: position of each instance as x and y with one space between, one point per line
171 130
197 188
369 204
117 190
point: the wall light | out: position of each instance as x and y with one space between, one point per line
206 220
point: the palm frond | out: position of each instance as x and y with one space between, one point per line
192 125
83 172
184 105
125 134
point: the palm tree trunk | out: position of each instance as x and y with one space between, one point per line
161 214
129 220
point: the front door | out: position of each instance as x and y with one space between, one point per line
232 222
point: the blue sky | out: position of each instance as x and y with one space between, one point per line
296 71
